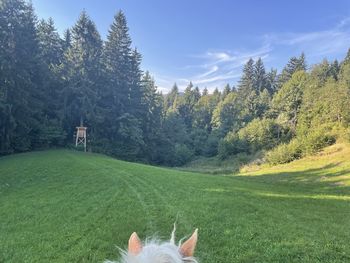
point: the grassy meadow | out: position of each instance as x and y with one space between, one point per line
67 206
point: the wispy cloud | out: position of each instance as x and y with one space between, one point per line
318 43
215 68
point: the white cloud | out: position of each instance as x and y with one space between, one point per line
215 68
317 43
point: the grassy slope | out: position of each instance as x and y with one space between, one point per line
62 206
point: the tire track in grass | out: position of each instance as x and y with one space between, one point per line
138 194
140 187
163 196
120 178
94 217
184 219
117 177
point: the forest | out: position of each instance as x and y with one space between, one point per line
49 84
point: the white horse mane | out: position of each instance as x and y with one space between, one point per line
154 251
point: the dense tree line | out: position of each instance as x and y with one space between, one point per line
50 84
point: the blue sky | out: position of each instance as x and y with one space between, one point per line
207 42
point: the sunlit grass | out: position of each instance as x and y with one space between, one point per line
329 170
63 206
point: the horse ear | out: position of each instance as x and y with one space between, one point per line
187 248
135 245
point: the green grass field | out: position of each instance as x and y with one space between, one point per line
66 206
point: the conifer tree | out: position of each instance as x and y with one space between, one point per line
171 99
81 72
151 121
20 103
205 92
118 62
226 91
294 64
272 81
259 76
50 42
135 86
67 40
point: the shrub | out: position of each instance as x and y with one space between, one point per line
182 155
316 140
261 134
231 145
211 146
257 135
285 153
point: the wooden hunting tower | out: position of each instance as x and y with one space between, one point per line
81 136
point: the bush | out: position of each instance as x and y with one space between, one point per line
316 140
182 155
285 153
261 134
231 145
257 135
211 146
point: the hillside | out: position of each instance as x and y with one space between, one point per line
66 206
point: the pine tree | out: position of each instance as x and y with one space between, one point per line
246 83
67 40
287 101
20 104
123 91
171 99
51 44
294 64
248 93
151 122
188 100
347 58
259 76
51 50
272 81
135 86
334 70
205 92
217 95
81 73
226 91
118 62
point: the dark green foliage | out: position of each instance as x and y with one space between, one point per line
49 85
20 79
226 91
287 101
50 43
232 145
182 155
226 115
152 109
187 103
171 99
259 76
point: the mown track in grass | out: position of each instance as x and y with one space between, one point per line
63 206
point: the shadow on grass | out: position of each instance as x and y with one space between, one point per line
321 179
